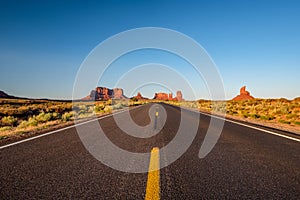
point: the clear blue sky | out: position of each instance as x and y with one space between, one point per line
253 43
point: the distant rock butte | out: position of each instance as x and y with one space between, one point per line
139 97
103 93
168 97
244 95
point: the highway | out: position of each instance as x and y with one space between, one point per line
246 163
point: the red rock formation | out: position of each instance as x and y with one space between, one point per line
168 97
103 93
161 96
139 96
179 96
243 91
118 93
244 95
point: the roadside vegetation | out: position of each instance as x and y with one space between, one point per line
19 117
22 117
278 112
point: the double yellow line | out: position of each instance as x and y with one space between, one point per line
153 185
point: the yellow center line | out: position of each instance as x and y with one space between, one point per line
153 187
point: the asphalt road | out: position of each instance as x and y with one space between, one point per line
245 164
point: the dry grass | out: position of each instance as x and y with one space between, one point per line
283 113
20 117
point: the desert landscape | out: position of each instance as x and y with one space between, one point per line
149 100
24 117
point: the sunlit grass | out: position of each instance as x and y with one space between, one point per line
278 111
18 117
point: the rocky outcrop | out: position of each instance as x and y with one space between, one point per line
103 93
161 96
244 95
139 97
179 96
118 93
168 97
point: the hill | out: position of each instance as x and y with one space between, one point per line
6 96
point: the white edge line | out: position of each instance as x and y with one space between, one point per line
68 127
72 126
246 125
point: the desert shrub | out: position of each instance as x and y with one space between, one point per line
292 116
297 123
193 105
5 128
134 99
58 107
108 102
27 123
246 115
56 115
98 108
125 103
3 137
117 106
44 117
255 116
231 112
68 116
284 121
90 109
32 121
229 107
81 108
9 121
135 103
108 109
285 110
267 117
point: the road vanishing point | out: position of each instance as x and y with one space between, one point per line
246 163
